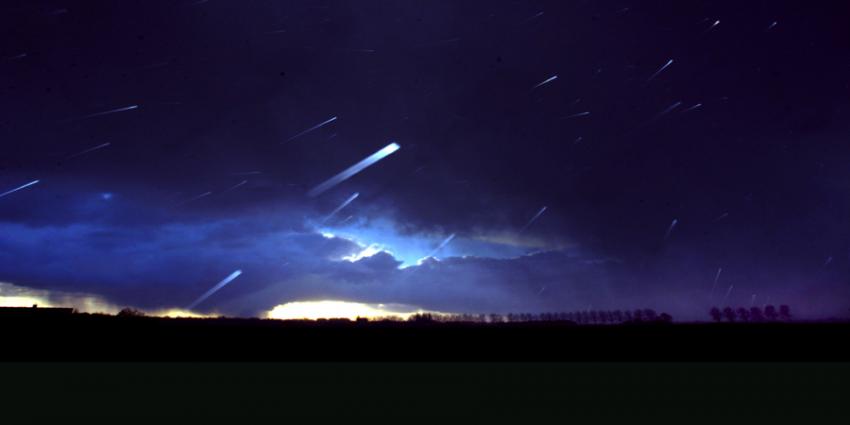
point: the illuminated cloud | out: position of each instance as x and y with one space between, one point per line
329 309
19 296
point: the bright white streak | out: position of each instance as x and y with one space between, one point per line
546 81
339 208
111 111
772 24
669 62
19 188
670 229
533 219
354 169
89 150
716 23
580 114
667 111
215 288
697 106
442 245
315 127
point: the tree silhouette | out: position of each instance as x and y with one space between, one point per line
421 318
130 312
650 315
784 312
665 318
716 315
638 315
600 317
756 315
729 314
743 314
618 316
770 313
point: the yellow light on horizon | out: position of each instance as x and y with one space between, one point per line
179 313
329 309
23 301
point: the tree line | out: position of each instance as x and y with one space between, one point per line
588 317
752 314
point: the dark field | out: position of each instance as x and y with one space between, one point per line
109 338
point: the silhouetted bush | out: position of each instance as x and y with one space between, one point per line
421 318
130 312
784 312
716 314
752 314
770 313
729 314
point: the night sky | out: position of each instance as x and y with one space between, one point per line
162 135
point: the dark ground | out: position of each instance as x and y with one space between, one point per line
82 337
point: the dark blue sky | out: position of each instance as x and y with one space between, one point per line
742 140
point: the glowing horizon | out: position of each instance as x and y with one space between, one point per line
333 309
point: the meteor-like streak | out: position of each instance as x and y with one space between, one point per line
772 24
692 108
339 208
203 195
546 81
536 15
728 292
441 246
88 150
354 169
214 289
670 229
533 219
8 192
237 185
721 217
111 111
580 114
716 23
667 111
660 70
716 278
313 128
